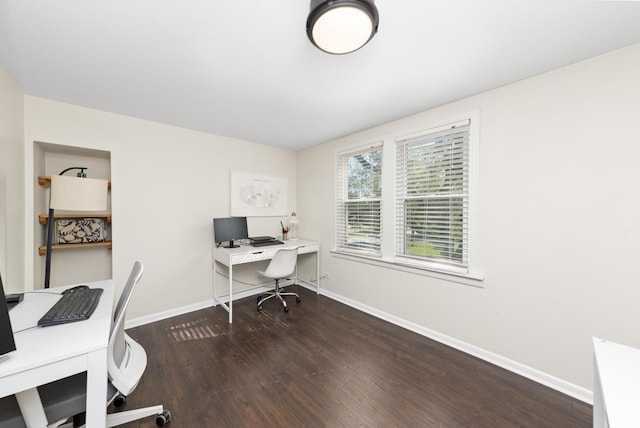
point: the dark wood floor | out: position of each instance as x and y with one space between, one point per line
325 364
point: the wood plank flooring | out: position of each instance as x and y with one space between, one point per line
324 364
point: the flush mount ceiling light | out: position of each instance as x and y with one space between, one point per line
342 26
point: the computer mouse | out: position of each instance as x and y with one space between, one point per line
74 288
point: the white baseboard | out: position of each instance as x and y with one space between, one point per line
535 375
158 316
248 292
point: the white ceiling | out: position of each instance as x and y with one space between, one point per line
245 69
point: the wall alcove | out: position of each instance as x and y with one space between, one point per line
78 262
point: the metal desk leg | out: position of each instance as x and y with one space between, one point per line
97 376
599 412
230 303
318 272
31 408
215 292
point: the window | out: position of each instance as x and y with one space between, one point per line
432 197
418 210
359 200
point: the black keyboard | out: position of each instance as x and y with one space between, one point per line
266 243
76 304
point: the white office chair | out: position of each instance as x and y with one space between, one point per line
126 363
282 265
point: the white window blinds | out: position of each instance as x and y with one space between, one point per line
432 196
359 203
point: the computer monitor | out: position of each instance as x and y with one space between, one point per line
7 343
229 229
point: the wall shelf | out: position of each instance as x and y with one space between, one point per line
43 249
43 218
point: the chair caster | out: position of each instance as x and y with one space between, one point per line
259 308
286 309
298 299
119 400
163 418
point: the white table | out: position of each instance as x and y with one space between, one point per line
616 376
46 354
247 254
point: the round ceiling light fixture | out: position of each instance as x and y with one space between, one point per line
342 26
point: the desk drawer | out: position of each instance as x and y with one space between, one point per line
268 253
313 248
252 256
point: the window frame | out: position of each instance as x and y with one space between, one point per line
429 189
342 199
471 275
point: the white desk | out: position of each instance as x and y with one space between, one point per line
616 385
46 354
247 254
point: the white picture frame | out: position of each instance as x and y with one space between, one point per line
254 195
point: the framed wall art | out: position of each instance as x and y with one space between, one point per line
255 195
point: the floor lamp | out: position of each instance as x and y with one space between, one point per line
72 194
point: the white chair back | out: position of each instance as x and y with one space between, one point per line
283 263
126 359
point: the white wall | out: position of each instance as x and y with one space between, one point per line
559 223
167 185
12 197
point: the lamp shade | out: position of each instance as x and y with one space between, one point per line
342 26
78 194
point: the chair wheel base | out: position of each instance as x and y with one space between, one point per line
119 401
163 418
260 300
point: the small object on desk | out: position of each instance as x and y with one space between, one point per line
285 230
76 304
13 299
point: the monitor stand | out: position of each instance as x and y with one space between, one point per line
231 245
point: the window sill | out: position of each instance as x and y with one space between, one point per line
471 279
